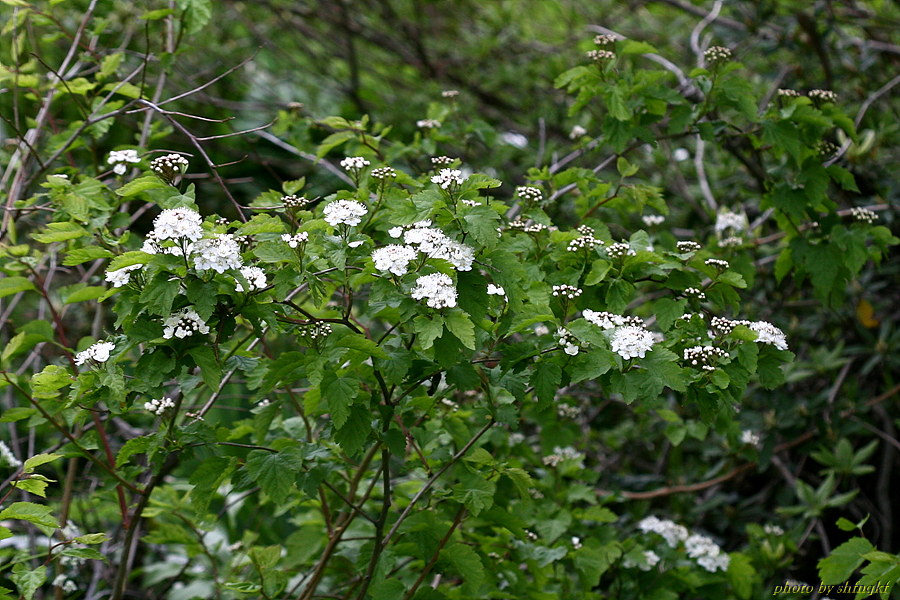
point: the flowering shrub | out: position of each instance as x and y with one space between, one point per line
356 392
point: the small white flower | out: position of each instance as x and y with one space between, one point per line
671 532
384 173
169 167
495 290
541 329
726 220
158 407
620 249
577 132
773 530
447 178
571 349
566 291
631 342
99 352
608 320
255 276
651 559
704 357
394 258
352 163
576 542
295 240
863 214
561 454
184 323
120 159
450 93
7 456
685 247
717 264
653 220
749 437
766 333
428 124
681 154
121 277
293 201
178 223
437 289
395 232
218 253
516 140
348 212
356 244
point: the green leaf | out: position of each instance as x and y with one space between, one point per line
33 513
883 574
160 293
83 255
141 184
843 561
357 341
594 559
91 292
461 327
128 259
635 47
36 486
356 430
545 378
598 272
668 311
275 473
389 589
207 478
197 14
340 392
475 492
428 329
60 232
741 575
210 370
465 562
17 413
591 364
138 445
46 383
28 581
14 285
41 459
481 222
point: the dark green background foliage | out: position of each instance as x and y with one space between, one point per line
460 452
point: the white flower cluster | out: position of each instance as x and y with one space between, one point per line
670 531
158 407
766 333
693 292
585 241
294 201
707 552
218 253
314 332
773 530
99 352
653 220
496 290
826 149
749 437
704 357
823 95
566 291
441 161
561 454
348 212
177 224
651 559
533 228
121 277
255 276
863 214
435 244
685 247
731 220
354 163
471 203
515 439
604 39
717 54
428 124
631 342
169 167
723 327
450 93
717 264
183 323
620 249
608 320
600 55
732 242
531 193
447 178
394 258
437 289
577 132
567 341
566 411
788 93
295 240
383 173
120 159
576 542
7 456
65 584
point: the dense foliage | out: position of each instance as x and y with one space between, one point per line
513 300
